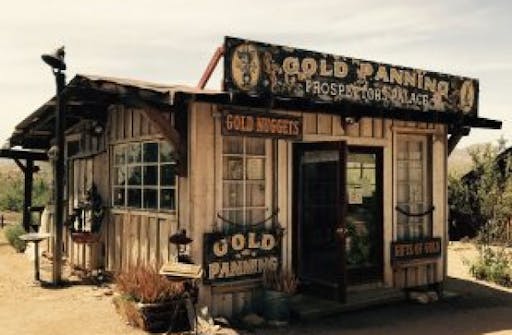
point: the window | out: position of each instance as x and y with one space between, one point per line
144 176
414 201
243 175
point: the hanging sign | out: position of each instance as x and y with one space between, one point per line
261 125
270 70
408 250
241 255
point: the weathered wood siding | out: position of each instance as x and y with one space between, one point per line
136 236
128 237
205 191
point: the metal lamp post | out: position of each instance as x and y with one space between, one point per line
56 153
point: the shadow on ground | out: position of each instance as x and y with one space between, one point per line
479 309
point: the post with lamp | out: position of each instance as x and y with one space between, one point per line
56 154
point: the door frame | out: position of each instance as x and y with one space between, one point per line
298 148
379 171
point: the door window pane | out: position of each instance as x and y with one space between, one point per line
167 199
233 168
150 175
133 153
134 175
150 198
167 175
134 197
166 152
150 151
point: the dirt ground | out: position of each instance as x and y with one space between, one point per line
27 309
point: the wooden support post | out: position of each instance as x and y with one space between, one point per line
27 198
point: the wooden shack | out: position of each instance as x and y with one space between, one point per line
331 167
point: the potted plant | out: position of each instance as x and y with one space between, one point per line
150 301
278 287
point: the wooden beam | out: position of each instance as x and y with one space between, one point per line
23 154
162 125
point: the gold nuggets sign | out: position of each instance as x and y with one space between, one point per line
240 256
265 124
405 250
270 70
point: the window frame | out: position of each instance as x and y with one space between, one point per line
125 165
267 178
402 234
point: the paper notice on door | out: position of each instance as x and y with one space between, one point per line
355 196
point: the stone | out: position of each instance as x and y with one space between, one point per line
419 297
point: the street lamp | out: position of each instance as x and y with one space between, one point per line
56 62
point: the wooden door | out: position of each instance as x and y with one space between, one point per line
319 227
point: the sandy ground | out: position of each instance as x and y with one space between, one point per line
26 309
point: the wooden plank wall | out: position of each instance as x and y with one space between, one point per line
129 124
138 237
127 237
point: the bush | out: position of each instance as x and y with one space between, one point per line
493 266
12 234
143 284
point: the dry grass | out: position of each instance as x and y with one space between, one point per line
143 284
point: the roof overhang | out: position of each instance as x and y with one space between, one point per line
455 121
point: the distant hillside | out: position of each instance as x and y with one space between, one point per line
459 162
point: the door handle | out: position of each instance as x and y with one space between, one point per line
341 231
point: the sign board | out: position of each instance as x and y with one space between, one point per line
261 125
240 255
408 250
270 70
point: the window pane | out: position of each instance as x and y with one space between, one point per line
118 196
232 145
150 199
233 195
167 175
166 152
255 194
255 146
255 216
119 176
119 151
255 168
134 175
167 199
133 153
134 197
235 216
233 168
150 175
150 152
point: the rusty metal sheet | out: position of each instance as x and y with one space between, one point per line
271 70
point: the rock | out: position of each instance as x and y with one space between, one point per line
419 297
277 324
253 320
221 321
433 296
108 292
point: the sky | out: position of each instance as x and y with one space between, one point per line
171 42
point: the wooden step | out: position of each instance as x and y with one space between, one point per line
307 307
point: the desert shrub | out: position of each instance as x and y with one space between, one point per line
12 234
282 281
143 284
493 265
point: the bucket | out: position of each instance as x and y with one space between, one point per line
276 305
